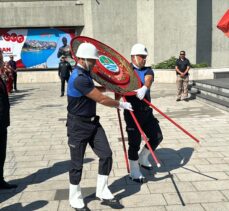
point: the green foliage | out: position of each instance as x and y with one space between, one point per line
171 63
167 64
199 65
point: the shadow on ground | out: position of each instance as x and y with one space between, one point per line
38 177
171 159
19 207
17 97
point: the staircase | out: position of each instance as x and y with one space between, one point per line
213 91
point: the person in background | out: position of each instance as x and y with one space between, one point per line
9 77
2 69
182 67
64 72
13 66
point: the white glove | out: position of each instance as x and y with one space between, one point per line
141 92
125 105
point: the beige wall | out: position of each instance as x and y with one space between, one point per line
161 76
175 29
115 24
145 27
164 26
41 14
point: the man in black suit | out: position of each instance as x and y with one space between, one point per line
64 72
13 65
4 123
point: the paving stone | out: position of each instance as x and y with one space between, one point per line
170 187
42 205
195 197
187 207
212 185
150 208
213 167
29 158
9 198
217 160
202 176
222 206
31 164
144 200
48 185
38 155
64 206
28 196
226 193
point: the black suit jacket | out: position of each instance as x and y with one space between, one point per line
4 105
64 69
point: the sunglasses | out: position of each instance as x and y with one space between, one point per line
142 56
182 54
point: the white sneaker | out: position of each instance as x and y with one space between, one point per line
144 158
75 197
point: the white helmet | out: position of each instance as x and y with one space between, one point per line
87 51
138 49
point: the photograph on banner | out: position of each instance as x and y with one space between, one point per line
37 48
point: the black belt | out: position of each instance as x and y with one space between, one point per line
140 109
84 119
88 119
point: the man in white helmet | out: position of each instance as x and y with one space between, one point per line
143 114
83 128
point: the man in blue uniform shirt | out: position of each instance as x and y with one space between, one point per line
143 114
83 128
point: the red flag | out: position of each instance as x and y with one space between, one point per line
223 24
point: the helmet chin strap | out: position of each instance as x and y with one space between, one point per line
136 59
87 65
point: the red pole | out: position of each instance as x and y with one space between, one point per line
144 136
123 142
164 115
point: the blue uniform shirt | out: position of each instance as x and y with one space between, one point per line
79 85
137 104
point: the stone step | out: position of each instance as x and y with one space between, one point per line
216 93
214 101
212 87
221 85
224 74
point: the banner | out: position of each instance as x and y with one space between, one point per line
36 48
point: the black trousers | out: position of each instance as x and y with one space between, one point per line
63 84
82 131
150 126
3 143
15 81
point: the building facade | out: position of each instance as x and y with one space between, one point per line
165 27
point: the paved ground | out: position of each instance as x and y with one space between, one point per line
192 176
